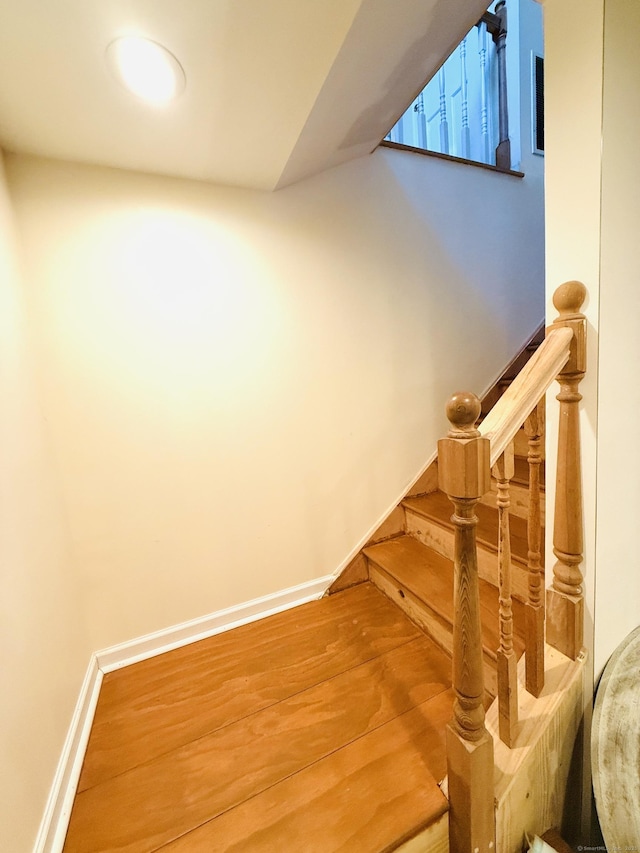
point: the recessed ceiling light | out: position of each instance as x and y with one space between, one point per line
146 68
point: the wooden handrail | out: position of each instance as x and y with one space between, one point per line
523 395
465 458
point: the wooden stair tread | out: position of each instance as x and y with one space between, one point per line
370 797
437 507
429 576
162 703
364 710
521 472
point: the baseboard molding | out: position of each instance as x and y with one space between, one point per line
55 820
175 636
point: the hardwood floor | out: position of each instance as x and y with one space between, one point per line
319 729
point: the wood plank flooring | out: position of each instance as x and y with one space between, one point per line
319 729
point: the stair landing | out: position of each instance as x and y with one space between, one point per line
317 729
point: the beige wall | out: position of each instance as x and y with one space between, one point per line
240 384
573 97
43 647
618 567
593 222
573 121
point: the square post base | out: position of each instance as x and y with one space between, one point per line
508 698
472 823
534 650
565 618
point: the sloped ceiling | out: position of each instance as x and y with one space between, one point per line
276 89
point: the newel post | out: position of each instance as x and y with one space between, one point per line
496 24
465 475
565 602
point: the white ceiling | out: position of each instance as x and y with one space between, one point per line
276 89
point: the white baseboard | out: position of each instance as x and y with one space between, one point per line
175 636
55 821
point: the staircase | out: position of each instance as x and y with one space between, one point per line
319 729
512 370
415 570
411 562
331 727
325 734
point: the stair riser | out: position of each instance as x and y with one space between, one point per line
434 839
436 626
521 445
519 496
441 539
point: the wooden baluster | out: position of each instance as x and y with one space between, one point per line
534 636
444 126
421 121
464 475
465 132
565 603
484 105
507 661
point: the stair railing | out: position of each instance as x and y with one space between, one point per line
466 458
464 94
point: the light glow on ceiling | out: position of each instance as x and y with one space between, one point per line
146 68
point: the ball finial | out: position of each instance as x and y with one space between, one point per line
463 410
569 297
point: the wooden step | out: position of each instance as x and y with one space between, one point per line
428 518
420 580
518 495
519 485
518 491
329 716
521 475
521 445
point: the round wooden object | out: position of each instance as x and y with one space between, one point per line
463 410
569 297
615 747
